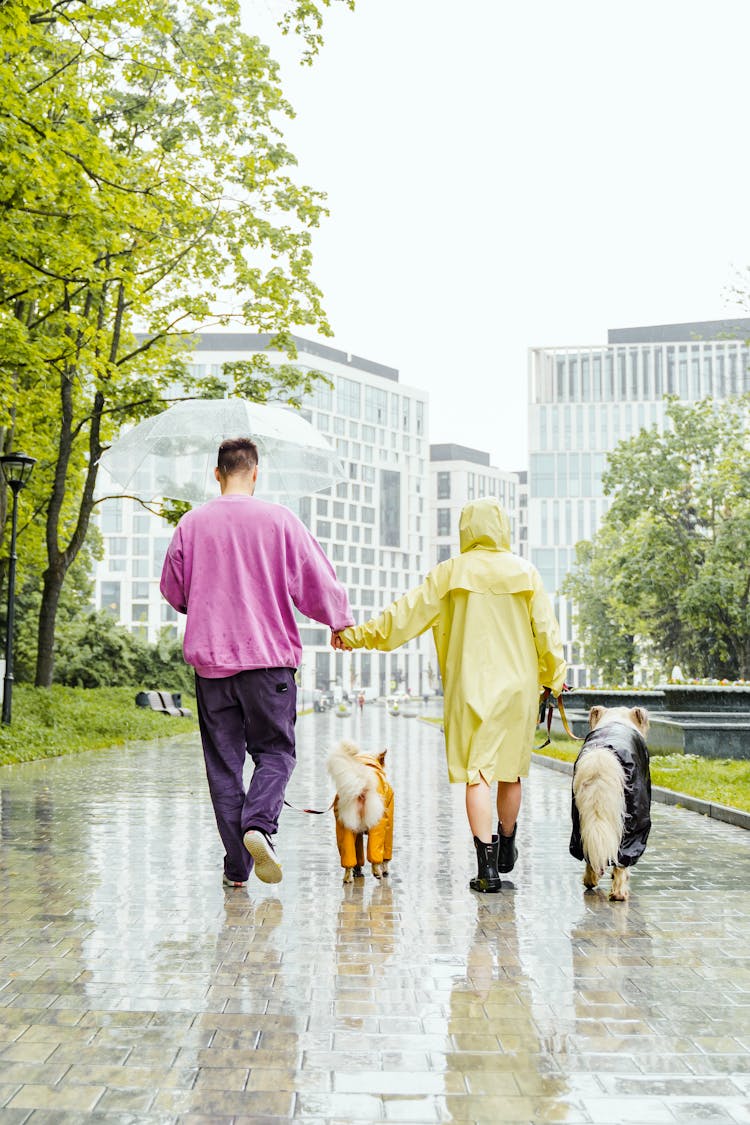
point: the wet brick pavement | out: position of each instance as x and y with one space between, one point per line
133 987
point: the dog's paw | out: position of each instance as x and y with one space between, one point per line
590 877
348 875
385 867
377 870
619 896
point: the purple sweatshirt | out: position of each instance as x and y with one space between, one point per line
237 566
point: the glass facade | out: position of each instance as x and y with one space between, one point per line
582 402
379 429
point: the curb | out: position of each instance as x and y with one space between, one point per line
725 813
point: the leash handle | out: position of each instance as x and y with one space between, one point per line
548 702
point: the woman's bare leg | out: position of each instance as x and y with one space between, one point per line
508 804
479 810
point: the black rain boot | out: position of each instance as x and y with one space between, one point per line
507 852
487 880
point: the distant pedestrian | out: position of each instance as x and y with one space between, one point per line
361 701
497 642
238 566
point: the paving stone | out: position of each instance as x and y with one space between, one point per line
135 988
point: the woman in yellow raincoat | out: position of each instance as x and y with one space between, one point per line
497 642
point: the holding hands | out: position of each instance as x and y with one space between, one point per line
337 642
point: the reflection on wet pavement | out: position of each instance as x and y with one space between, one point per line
134 987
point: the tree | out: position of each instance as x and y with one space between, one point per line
609 648
669 564
144 177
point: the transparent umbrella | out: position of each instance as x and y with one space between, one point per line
173 454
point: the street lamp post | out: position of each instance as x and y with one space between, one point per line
16 469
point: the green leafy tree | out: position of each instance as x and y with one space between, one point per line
669 564
146 193
609 648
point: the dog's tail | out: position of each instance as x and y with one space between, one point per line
599 794
360 805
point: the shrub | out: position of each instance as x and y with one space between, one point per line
93 651
49 722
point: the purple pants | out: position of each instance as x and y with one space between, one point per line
253 713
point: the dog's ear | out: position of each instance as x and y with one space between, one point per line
595 715
381 757
639 716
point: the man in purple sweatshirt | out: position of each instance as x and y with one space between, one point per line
237 567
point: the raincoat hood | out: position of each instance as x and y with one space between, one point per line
484 523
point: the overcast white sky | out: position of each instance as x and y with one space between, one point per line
509 173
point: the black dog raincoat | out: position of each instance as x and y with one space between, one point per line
630 749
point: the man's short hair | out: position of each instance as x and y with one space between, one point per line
237 455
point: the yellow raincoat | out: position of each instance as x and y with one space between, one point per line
497 642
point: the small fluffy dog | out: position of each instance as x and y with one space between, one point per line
612 796
363 805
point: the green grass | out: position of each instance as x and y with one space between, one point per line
726 781
65 720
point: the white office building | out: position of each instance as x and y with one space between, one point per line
583 401
373 525
458 474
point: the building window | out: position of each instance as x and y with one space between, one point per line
112 516
443 552
376 405
390 508
109 598
609 377
323 529
323 395
443 486
542 474
348 397
443 521
634 374
305 508
585 380
321 506
560 379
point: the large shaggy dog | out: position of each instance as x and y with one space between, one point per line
363 806
612 796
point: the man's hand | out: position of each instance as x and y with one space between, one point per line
338 643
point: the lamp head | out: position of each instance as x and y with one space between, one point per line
17 469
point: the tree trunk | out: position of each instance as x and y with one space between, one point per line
45 664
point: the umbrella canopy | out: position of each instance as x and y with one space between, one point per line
173 454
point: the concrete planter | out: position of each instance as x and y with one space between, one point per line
583 699
712 720
707 697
